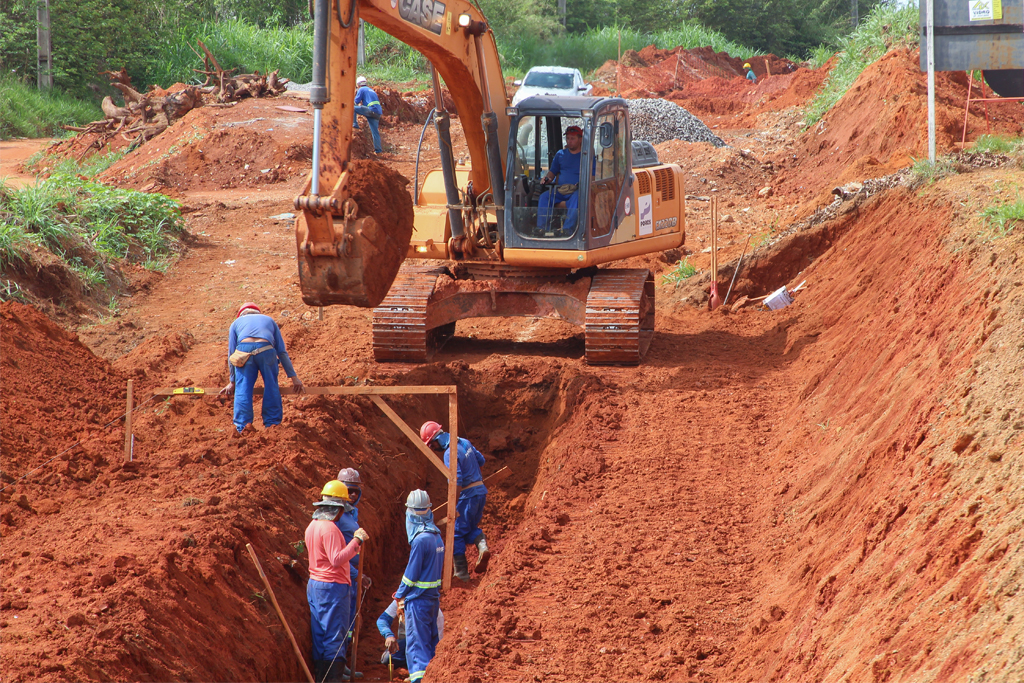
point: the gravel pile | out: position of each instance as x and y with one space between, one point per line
659 121
300 87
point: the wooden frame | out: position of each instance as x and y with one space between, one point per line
376 394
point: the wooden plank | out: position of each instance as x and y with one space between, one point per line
493 480
453 487
128 423
329 391
408 431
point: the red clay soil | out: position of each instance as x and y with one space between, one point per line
826 492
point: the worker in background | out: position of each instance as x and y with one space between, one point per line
419 595
348 523
259 337
471 501
394 641
368 106
566 167
751 76
329 584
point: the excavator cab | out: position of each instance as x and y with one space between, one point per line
541 216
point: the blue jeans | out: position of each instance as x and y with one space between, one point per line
245 380
546 205
328 618
420 635
373 120
467 524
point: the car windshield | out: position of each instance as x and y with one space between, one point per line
539 79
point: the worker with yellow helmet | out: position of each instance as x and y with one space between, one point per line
751 76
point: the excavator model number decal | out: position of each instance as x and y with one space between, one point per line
423 13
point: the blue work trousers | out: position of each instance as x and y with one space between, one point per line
245 380
467 524
328 618
547 204
372 120
420 635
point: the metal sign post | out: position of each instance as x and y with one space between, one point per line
930 31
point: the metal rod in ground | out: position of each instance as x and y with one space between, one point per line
738 265
128 424
358 619
280 614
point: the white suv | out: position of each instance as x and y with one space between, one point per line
551 80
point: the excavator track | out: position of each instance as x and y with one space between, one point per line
620 317
400 322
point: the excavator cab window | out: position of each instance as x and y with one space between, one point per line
609 172
544 211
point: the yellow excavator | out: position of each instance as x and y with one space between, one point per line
511 248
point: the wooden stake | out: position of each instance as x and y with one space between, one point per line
320 312
359 616
128 424
280 614
453 488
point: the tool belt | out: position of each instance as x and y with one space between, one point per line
240 358
566 188
469 486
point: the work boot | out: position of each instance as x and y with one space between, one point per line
461 567
485 555
336 673
347 674
320 670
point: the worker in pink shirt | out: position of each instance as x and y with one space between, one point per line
329 584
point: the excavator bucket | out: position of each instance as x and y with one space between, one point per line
370 242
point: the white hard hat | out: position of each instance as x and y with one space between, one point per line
418 500
360 80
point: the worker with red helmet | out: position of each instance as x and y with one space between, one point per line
348 523
255 347
566 168
471 501
327 591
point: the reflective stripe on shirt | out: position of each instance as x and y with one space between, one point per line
421 584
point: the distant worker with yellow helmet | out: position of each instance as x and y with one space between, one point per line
751 76
329 584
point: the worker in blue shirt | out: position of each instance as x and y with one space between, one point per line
394 641
751 76
471 501
419 595
566 167
348 523
258 335
368 106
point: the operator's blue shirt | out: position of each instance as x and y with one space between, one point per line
470 460
368 98
422 577
262 327
566 166
348 523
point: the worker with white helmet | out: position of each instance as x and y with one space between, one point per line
348 523
419 595
471 501
751 76
368 106
329 584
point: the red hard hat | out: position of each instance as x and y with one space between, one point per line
246 305
429 430
574 129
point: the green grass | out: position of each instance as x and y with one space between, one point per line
886 27
924 171
26 112
683 271
998 145
1004 217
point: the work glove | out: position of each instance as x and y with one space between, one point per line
361 535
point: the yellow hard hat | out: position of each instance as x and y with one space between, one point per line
747 65
334 493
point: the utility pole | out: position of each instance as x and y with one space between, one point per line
561 11
854 13
44 44
361 50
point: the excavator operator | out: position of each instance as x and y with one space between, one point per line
566 167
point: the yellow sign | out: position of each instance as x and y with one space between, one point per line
985 10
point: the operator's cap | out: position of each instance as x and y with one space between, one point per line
574 129
360 80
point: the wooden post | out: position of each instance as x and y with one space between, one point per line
44 47
359 616
453 487
128 424
280 614
320 313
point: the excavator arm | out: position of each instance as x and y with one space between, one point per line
347 255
